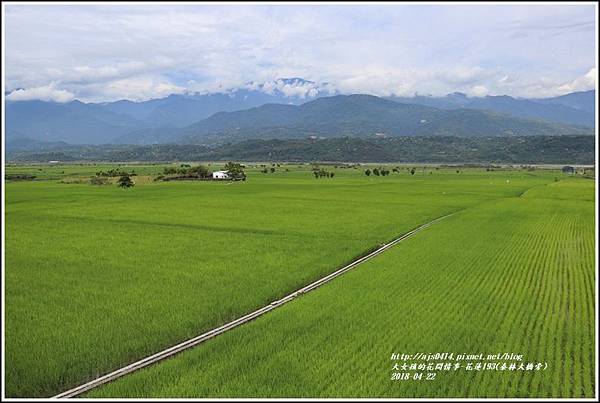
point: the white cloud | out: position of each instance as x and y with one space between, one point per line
583 83
136 52
479 91
296 88
138 89
44 93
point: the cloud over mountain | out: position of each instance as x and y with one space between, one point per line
44 93
104 53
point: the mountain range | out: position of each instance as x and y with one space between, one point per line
362 116
575 108
277 112
76 122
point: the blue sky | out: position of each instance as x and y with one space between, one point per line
108 52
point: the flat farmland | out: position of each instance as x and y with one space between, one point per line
98 277
513 275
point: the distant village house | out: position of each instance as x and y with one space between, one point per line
220 175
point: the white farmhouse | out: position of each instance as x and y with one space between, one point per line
220 175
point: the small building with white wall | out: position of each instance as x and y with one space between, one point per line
220 175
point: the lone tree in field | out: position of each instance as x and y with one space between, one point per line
125 182
368 172
412 171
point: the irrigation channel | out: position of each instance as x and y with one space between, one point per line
171 351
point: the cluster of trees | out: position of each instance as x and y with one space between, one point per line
186 171
382 171
19 177
266 171
321 173
115 172
378 171
235 170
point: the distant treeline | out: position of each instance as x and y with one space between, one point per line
524 150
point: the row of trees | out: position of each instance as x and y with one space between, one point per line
380 171
377 172
19 177
321 173
187 171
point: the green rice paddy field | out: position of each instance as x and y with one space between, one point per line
97 277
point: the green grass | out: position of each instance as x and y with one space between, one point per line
97 277
514 275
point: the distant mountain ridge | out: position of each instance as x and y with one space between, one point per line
176 116
582 100
74 122
99 123
577 108
361 115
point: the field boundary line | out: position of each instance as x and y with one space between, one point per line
171 351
